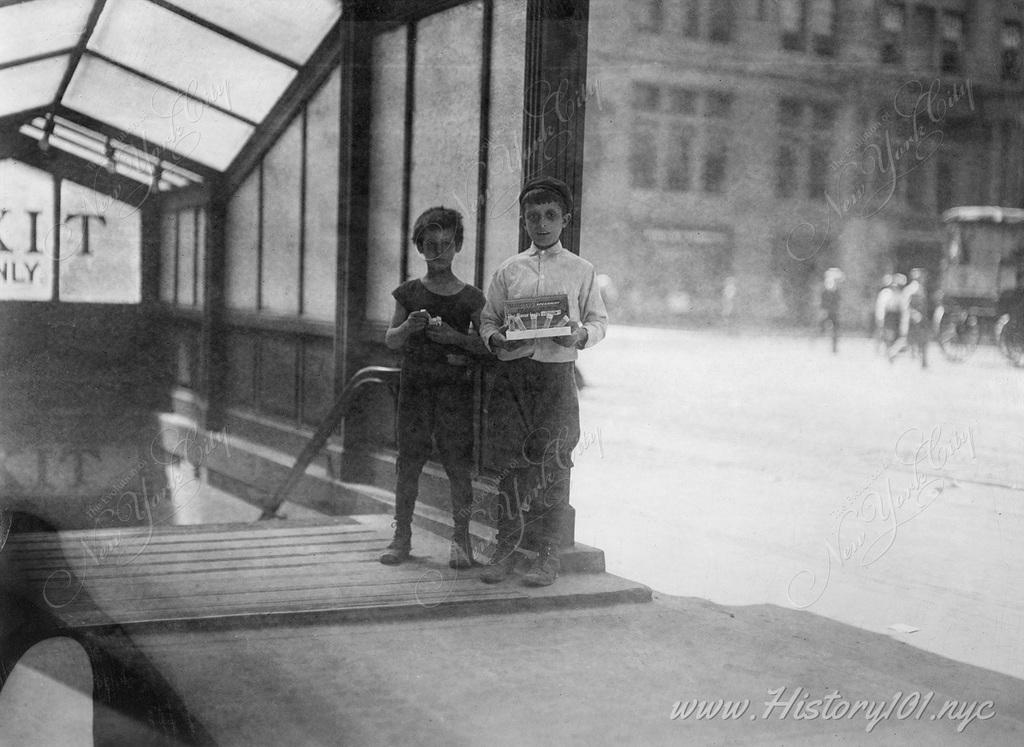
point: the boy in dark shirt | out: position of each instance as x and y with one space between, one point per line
436 323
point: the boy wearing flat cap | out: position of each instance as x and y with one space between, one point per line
533 410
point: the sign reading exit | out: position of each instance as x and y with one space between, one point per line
28 246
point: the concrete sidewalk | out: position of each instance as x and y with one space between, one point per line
609 675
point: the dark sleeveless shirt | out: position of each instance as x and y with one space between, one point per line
457 310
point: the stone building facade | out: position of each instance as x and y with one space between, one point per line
768 140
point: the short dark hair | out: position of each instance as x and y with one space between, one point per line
541 196
547 189
441 218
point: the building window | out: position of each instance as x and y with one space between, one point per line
785 172
805 139
678 170
922 35
821 22
721 21
650 16
952 42
719 105
823 119
715 158
917 185
817 171
1010 41
944 187
691 19
893 21
790 113
682 101
680 140
808 24
643 161
646 97
791 19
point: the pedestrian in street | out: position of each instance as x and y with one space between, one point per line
830 304
887 311
729 304
915 327
436 325
533 410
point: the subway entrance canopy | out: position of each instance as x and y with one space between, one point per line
153 90
205 205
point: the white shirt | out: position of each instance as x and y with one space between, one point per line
545 272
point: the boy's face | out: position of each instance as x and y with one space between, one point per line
438 247
544 223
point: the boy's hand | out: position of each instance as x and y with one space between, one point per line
418 320
499 342
444 333
576 338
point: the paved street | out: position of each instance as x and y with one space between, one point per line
757 469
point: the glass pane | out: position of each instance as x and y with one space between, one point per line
646 97
150 39
643 161
952 27
30 29
25 87
386 138
445 168
186 257
155 113
719 104
200 256
322 150
26 232
892 18
1010 37
790 16
100 248
790 113
168 255
823 117
241 271
505 139
282 172
291 29
678 166
683 101
821 17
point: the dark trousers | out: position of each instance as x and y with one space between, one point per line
435 407
533 426
830 318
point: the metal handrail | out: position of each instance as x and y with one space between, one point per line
385 375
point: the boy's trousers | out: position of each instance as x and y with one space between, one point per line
533 426
435 406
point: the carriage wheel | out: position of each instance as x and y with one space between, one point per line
958 337
1011 342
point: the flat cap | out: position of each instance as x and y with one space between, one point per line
550 184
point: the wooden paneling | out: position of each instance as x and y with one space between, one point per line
277 377
317 380
240 383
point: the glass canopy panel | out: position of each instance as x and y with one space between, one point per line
24 87
291 29
147 38
155 113
36 28
100 247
